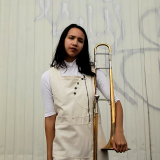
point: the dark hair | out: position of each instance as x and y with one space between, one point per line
83 58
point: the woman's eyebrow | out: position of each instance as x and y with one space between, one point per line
78 37
81 39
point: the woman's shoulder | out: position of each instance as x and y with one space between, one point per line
45 74
45 77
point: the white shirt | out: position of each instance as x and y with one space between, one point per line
72 70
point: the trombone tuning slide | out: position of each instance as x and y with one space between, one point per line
102 53
102 68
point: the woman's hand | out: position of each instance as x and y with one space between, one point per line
119 142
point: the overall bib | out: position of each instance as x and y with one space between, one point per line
73 131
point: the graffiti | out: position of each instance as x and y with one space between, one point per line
141 29
45 5
129 54
64 11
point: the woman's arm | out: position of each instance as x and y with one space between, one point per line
119 141
50 134
50 114
119 117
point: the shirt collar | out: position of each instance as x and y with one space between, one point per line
70 64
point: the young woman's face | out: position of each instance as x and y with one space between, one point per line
73 44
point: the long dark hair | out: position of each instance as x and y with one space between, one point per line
83 58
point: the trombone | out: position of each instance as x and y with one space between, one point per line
112 103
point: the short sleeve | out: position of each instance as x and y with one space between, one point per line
47 96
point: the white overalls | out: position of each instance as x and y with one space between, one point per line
73 131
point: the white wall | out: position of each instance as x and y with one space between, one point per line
29 32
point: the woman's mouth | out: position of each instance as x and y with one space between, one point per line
73 49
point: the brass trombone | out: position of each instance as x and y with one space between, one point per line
112 103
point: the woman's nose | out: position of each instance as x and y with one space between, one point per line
75 42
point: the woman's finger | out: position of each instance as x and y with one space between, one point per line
118 147
124 147
114 146
121 148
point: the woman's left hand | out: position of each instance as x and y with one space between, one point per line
119 142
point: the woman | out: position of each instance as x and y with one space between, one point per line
67 93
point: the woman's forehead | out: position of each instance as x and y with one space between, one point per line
76 32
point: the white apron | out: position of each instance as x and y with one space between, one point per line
73 131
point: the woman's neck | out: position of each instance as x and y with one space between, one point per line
70 59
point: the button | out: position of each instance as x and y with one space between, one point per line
77 82
81 78
75 88
74 93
